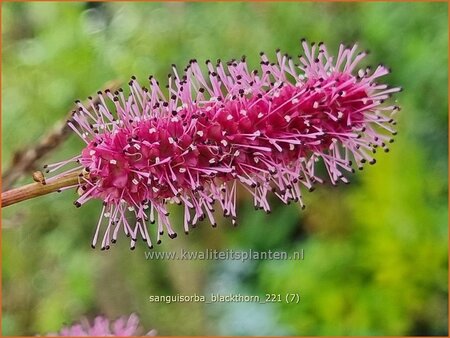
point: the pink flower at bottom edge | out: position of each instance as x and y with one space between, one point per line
121 327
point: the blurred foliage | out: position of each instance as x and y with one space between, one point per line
375 251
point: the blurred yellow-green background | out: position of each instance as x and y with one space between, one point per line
375 251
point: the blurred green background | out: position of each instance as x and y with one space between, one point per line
375 251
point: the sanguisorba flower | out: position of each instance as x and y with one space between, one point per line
193 142
101 327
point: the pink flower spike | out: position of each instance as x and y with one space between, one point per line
190 144
102 327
